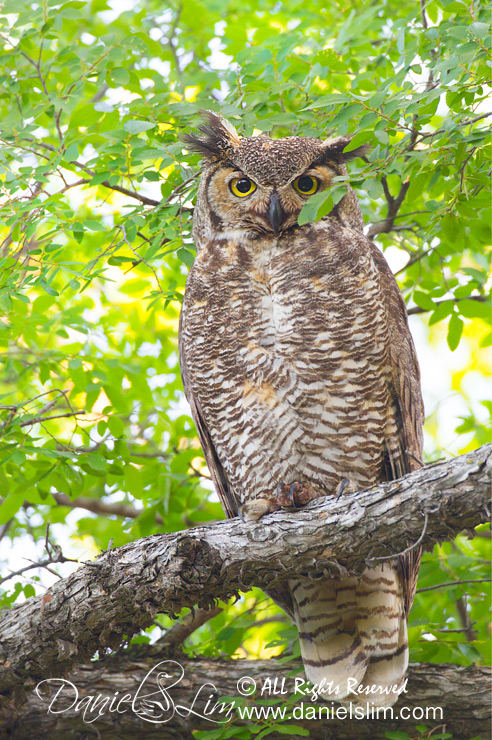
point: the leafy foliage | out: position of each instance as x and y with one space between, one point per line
95 223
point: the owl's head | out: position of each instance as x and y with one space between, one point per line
259 185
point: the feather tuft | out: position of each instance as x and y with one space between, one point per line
215 138
333 150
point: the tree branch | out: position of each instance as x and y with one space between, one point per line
449 688
120 593
174 637
394 204
118 188
463 123
96 506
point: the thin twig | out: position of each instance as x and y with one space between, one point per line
463 123
100 507
55 555
5 528
418 309
394 203
458 629
408 549
118 188
141 259
465 620
453 583
41 419
430 81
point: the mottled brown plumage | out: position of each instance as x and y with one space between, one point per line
301 372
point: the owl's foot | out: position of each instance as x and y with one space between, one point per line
296 495
291 497
254 510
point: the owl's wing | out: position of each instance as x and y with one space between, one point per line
227 499
404 453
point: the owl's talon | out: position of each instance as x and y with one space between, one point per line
295 492
341 487
282 496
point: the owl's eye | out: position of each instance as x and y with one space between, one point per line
242 186
306 185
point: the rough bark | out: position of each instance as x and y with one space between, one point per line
119 594
461 693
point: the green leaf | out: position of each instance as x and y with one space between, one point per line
71 153
423 300
377 99
479 30
93 225
344 115
373 188
121 76
9 507
455 329
328 100
329 58
458 32
71 14
474 309
466 52
116 426
316 207
451 227
359 139
96 461
185 256
486 341
133 481
286 729
138 127
442 311
469 652
152 175
381 136
99 178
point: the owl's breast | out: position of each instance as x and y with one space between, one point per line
287 348
286 302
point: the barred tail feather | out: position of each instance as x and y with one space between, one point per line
330 647
354 629
387 672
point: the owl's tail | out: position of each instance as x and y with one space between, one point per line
353 635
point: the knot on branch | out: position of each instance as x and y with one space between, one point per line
197 560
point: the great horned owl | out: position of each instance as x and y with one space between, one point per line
301 374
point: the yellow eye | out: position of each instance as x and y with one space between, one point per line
242 186
306 185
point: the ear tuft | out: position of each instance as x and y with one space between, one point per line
215 138
333 150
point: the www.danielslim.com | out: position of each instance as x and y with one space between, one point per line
348 711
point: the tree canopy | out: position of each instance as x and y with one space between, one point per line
96 200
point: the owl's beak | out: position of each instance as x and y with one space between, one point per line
275 212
